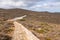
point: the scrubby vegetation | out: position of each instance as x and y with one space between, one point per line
5 37
6 28
40 31
45 23
47 38
22 19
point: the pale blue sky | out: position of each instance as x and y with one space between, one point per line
36 5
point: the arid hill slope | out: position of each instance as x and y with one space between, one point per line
44 25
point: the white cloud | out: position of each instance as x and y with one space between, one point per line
20 3
47 5
6 4
11 4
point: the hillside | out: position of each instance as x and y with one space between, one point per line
40 16
44 25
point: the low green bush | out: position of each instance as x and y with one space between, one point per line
47 38
43 24
22 19
40 31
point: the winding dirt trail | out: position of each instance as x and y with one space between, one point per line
22 33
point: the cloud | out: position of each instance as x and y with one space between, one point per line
7 4
16 3
47 5
30 4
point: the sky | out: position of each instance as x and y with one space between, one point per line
35 5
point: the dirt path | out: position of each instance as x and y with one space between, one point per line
22 33
17 18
